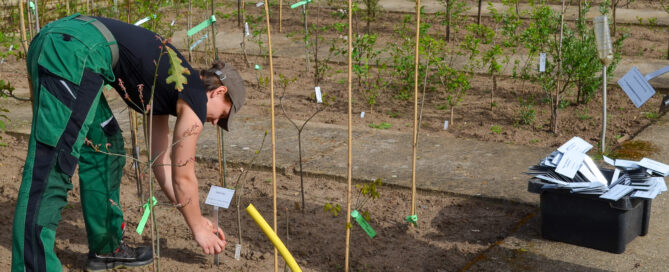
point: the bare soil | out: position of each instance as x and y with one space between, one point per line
459 229
456 231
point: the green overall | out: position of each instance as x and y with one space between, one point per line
68 62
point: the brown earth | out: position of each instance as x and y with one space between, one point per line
457 229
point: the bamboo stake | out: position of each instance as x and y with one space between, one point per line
24 43
30 21
415 116
271 91
350 135
36 18
280 14
67 6
190 25
213 37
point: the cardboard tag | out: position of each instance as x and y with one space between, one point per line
363 223
636 87
219 196
542 62
319 97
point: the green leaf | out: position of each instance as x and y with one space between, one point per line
176 71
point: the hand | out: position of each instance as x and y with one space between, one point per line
207 237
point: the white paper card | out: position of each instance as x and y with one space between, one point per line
570 163
542 62
446 125
575 144
617 192
319 97
654 165
246 29
636 87
260 4
362 114
219 196
593 168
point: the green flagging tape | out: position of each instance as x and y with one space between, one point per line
413 219
145 216
304 2
201 26
363 223
257 67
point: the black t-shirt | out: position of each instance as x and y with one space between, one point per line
139 50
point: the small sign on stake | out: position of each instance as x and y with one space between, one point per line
319 97
542 62
219 197
636 87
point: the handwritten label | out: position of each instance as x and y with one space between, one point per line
219 197
319 96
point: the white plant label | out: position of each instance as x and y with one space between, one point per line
260 4
246 29
319 97
143 20
362 114
219 197
542 62
446 125
238 251
172 23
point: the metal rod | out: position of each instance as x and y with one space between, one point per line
216 260
603 109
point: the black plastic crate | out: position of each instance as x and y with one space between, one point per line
589 221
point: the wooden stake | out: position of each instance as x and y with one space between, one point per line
190 25
350 135
280 14
24 43
415 116
271 92
213 36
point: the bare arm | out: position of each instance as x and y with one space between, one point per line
184 182
160 145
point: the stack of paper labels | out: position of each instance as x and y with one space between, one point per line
570 168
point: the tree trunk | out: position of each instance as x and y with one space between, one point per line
450 122
478 20
448 20
614 3
492 93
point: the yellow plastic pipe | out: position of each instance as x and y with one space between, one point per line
273 238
